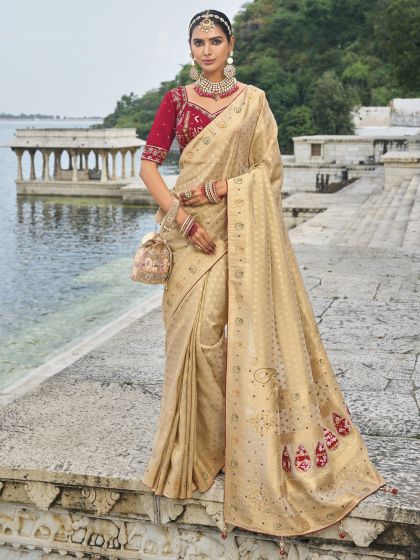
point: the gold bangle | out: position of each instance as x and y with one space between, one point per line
171 213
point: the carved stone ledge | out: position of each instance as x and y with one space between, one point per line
42 494
169 510
149 505
101 500
55 533
88 522
215 511
363 532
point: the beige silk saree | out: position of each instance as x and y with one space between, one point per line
261 399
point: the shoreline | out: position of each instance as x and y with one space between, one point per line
64 359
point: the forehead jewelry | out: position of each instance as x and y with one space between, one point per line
207 24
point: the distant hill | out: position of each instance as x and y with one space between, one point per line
315 59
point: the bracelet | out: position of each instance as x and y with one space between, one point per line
210 191
193 229
187 225
214 194
171 213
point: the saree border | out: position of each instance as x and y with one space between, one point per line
189 153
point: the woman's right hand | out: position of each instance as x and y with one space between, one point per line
201 239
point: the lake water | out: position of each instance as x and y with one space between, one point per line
64 263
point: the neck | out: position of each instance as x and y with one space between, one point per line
215 76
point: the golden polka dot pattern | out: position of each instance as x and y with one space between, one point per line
294 461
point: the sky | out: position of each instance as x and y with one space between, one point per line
78 58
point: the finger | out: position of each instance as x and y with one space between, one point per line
207 243
192 201
198 239
208 240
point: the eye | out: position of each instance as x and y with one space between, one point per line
199 42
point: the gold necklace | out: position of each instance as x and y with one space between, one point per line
216 90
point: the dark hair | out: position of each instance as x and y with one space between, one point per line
218 21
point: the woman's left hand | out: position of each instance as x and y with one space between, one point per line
199 196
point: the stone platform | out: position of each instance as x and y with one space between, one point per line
73 448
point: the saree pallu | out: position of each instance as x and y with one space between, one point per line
262 399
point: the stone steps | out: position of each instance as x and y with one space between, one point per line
390 232
374 215
383 228
385 211
411 239
352 226
386 219
399 225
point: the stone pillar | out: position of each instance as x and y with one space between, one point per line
108 174
74 155
96 160
58 168
104 172
133 153
123 172
19 153
56 171
32 176
46 165
70 167
86 156
114 170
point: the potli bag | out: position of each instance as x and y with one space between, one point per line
153 258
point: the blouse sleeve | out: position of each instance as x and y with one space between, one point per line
162 132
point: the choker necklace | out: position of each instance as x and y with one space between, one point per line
206 88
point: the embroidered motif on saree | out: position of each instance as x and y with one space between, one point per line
263 401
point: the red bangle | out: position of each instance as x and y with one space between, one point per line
193 229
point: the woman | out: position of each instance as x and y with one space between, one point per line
261 400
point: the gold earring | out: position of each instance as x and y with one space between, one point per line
229 70
194 73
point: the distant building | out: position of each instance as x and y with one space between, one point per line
335 158
78 178
400 116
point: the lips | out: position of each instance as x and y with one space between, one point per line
208 61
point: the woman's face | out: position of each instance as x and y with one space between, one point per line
211 49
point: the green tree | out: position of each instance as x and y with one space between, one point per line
296 122
315 59
331 105
398 33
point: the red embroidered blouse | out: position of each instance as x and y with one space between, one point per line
176 116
